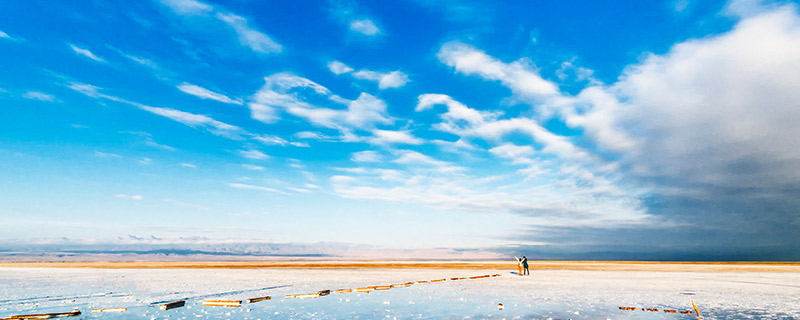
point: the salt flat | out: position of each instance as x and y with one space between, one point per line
546 294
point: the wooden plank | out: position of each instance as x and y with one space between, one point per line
343 291
254 300
109 310
365 289
383 287
302 296
438 280
172 305
74 313
223 303
695 310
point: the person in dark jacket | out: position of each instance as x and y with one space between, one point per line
525 266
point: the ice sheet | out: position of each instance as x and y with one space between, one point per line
543 295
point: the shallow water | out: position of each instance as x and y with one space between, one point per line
543 295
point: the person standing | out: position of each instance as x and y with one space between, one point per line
525 265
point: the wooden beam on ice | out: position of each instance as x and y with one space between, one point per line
172 305
74 313
223 303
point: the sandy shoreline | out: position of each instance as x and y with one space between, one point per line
464 265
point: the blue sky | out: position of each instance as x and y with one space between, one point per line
446 129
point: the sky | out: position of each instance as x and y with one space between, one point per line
638 130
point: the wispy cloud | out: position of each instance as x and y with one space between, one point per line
517 154
86 53
188 7
466 122
352 16
253 154
106 155
147 139
252 187
188 165
385 80
252 38
381 137
4 35
190 119
287 92
519 75
132 197
252 167
339 68
185 204
41 96
366 156
145 161
204 93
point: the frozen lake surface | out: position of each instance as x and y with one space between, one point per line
549 294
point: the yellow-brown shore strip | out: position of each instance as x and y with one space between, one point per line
466 265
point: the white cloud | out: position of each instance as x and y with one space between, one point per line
190 119
185 204
365 27
366 156
106 155
254 39
394 137
38 95
520 76
339 68
721 110
132 197
197 120
188 165
145 161
517 154
188 7
253 154
252 187
311 135
287 92
252 167
271 140
86 53
386 80
204 93
466 122
4 35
